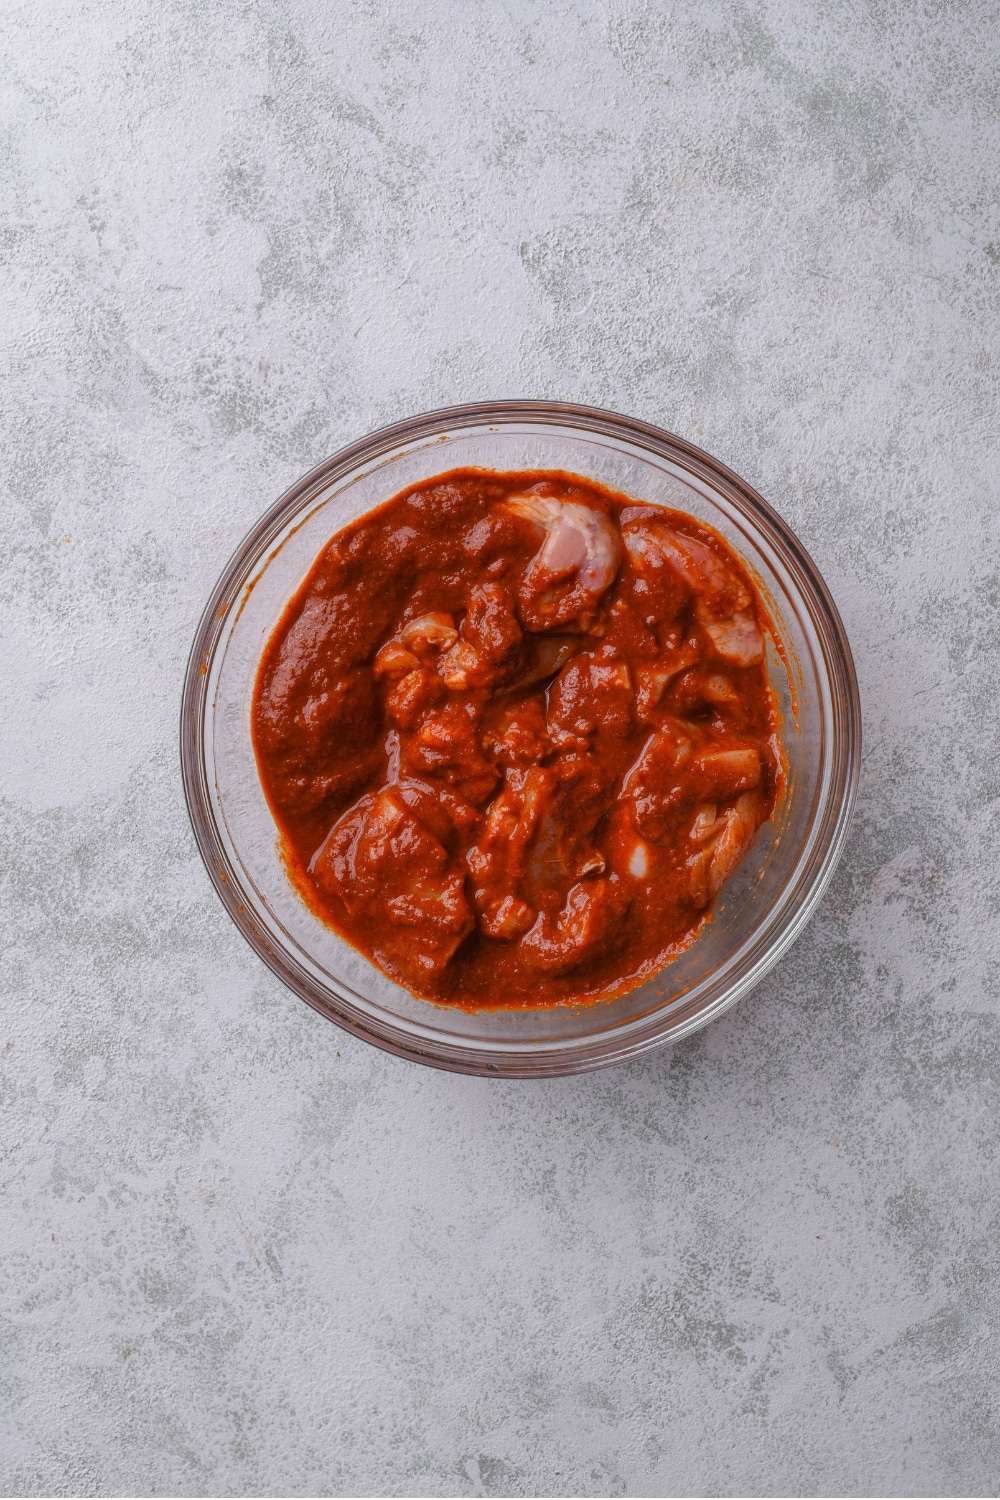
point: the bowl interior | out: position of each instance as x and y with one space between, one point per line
758 912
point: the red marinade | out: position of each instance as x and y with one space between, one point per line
516 732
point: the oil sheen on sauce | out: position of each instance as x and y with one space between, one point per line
516 732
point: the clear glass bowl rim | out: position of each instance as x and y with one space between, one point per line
845 731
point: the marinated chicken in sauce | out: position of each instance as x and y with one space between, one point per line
516 732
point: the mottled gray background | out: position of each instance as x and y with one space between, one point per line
243 1253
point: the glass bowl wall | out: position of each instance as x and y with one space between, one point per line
759 912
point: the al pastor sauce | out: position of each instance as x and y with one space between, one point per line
516 732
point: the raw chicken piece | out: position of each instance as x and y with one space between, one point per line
726 841
429 633
507 919
395 662
723 607
723 771
485 648
446 746
517 735
653 679
591 697
575 564
490 625
379 857
411 695
652 785
536 837
463 668
497 859
546 655
586 923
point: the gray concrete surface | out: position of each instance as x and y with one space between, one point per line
243 1253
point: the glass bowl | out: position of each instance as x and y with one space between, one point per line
758 914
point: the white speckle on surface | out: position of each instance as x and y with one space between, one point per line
243 1253
638 860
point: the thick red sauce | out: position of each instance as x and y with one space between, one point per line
516 732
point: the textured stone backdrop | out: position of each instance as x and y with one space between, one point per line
243 1253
